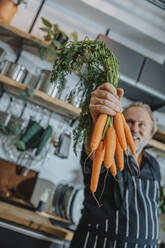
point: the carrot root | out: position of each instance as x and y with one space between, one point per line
105 178
119 127
98 131
100 205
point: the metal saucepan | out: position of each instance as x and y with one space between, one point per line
5 67
44 84
17 72
14 71
2 55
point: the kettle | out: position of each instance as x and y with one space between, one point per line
64 143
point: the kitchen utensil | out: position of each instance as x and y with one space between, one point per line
2 55
15 123
29 159
75 97
56 198
77 205
5 118
44 84
5 67
1 89
17 72
63 147
32 130
68 201
47 133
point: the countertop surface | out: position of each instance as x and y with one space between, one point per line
36 221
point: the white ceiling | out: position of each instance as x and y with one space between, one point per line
137 24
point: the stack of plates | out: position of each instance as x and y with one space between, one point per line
68 202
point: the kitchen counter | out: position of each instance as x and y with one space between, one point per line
32 220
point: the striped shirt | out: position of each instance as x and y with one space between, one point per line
129 216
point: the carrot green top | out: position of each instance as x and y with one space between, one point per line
95 64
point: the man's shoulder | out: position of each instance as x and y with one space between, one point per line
154 163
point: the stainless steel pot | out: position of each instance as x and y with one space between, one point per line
14 71
2 55
44 84
5 67
17 72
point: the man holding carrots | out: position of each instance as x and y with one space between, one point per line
128 199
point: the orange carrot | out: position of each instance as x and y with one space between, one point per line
113 169
97 161
98 131
119 155
110 146
119 127
128 136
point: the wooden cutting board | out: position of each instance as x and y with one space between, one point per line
33 220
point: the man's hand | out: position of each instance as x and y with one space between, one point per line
106 100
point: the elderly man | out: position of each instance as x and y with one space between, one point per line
129 216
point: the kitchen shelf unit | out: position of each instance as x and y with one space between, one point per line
13 36
40 98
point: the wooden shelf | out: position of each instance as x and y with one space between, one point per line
42 99
160 136
11 35
32 220
157 144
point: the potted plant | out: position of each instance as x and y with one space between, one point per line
55 39
8 9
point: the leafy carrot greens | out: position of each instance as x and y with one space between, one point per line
95 64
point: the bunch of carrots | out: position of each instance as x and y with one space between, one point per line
110 136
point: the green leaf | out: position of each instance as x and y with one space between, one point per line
47 37
46 22
22 95
74 36
56 43
45 29
42 52
91 60
30 92
56 28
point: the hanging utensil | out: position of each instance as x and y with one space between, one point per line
63 148
5 118
15 124
47 133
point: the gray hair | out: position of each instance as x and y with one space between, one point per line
149 111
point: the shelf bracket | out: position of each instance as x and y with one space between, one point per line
36 16
20 49
30 30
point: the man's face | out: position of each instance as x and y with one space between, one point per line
140 124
